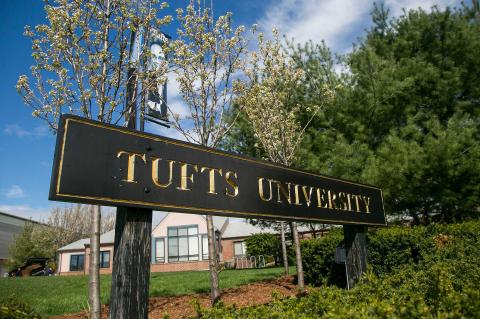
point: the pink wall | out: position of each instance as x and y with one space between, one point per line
179 219
64 260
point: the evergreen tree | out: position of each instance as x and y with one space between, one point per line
406 113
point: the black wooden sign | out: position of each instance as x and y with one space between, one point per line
111 165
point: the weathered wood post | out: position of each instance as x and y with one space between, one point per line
131 263
356 252
133 231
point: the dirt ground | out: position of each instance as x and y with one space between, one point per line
182 307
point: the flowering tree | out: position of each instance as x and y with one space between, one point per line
268 99
81 66
205 58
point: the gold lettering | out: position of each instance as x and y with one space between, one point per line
260 189
232 183
343 203
308 196
366 201
331 200
321 198
155 171
184 177
211 177
297 196
357 203
131 164
281 189
349 202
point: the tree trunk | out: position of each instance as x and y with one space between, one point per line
298 258
313 229
284 248
356 253
94 265
212 260
131 263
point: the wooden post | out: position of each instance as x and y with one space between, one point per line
133 232
356 253
131 264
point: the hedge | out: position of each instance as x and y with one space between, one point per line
420 272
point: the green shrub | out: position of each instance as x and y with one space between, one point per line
263 244
436 276
390 248
318 259
15 309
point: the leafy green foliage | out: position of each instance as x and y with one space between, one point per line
12 308
440 282
264 244
405 116
318 260
390 249
26 245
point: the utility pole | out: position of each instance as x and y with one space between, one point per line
133 231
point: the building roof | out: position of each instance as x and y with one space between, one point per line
15 220
241 228
79 244
107 238
219 222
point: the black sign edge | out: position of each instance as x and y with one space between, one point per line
192 210
56 156
60 144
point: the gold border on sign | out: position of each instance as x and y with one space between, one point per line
188 208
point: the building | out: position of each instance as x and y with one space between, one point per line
179 243
10 226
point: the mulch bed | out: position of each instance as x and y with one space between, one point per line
253 294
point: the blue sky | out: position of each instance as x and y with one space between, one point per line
26 144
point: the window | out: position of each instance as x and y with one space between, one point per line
239 248
159 250
76 262
204 247
183 243
104 259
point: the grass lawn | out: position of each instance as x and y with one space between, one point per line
63 294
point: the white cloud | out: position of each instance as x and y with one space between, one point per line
175 100
164 131
396 6
304 20
26 211
14 191
18 131
338 22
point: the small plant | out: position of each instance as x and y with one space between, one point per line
13 308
